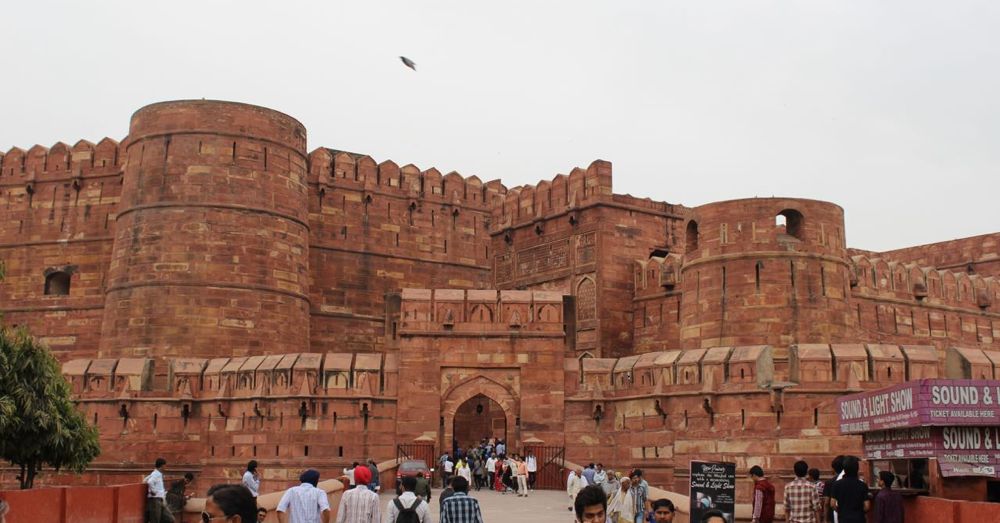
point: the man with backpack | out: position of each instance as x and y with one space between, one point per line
407 507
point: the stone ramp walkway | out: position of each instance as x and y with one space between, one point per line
542 506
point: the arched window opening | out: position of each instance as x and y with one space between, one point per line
791 221
57 283
692 237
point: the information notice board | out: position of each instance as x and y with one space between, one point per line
713 486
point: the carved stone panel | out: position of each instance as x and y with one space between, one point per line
543 258
586 248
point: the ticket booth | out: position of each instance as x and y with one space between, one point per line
939 437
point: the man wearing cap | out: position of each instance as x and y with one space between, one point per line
359 505
307 503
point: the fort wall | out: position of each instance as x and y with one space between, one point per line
378 228
217 295
57 213
573 235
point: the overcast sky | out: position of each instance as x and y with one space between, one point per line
889 109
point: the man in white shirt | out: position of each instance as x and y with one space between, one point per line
251 478
308 504
491 470
532 464
407 500
349 472
574 484
449 467
156 508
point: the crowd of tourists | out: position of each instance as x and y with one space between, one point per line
592 504
843 498
596 495
487 465
627 493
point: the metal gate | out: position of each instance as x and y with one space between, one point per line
424 451
551 470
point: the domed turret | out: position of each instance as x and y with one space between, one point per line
764 271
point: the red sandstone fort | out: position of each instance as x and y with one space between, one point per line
216 293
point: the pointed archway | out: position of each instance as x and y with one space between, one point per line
471 393
478 418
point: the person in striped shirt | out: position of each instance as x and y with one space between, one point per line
359 505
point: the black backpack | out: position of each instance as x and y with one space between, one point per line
407 515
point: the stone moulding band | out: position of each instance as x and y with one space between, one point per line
44 308
88 176
924 305
396 256
764 255
355 186
56 242
175 399
226 206
477 334
348 315
130 141
498 229
240 286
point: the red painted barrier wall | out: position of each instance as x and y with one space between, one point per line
113 504
940 510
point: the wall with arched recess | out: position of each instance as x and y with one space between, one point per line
454 398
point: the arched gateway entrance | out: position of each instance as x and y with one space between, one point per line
479 417
476 408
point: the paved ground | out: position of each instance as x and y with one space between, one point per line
541 506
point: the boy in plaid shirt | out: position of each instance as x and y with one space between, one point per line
801 498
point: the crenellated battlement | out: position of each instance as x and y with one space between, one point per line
59 162
879 278
528 203
330 169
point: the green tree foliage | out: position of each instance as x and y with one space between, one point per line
39 425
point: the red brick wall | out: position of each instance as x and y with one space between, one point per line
113 504
57 210
573 235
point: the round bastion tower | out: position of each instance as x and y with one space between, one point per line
210 254
765 271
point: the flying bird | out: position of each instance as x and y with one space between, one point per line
408 63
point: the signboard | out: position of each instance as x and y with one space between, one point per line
920 403
931 442
713 486
949 470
